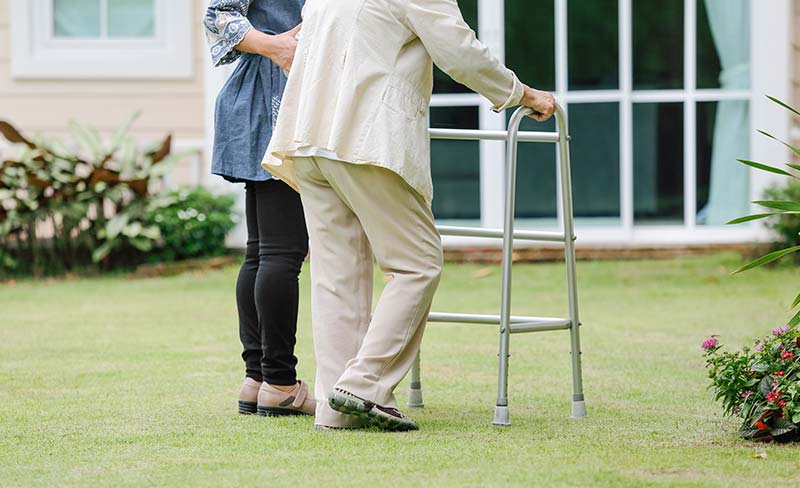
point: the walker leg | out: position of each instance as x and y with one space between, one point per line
415 389
501 415
578 402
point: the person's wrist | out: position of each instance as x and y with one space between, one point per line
266 47
529 97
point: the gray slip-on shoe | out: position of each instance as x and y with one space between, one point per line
374 415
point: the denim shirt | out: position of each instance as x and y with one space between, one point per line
247 106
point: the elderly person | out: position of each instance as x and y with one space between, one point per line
352 137
255 33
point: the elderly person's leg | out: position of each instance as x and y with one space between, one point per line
341 292
400 228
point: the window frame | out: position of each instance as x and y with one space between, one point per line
37 54
769 42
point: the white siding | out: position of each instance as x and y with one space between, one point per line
175 107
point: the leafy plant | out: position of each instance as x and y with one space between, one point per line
776 208
64 206
785 225
194 224
759 384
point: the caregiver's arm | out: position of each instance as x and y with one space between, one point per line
279 48
456 50
229 33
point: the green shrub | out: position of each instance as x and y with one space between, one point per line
786 225
93 203
193 225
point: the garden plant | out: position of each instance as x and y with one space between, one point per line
760 384
65 206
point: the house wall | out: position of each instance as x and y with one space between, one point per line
167 106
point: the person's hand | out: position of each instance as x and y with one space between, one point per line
543 103
282 47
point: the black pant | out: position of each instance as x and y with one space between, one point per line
267 287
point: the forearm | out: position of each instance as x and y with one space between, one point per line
257 42
279 48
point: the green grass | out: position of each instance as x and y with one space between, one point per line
122 382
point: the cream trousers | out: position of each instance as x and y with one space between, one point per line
357 214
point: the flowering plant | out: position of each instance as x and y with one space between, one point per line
759 384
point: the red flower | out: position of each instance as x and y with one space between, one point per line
782 403
774 396
761 425
780 373
787 355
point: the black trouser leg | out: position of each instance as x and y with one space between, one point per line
282 247
245 299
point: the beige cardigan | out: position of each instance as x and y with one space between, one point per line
362 80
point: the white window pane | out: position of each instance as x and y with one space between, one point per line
593 44
131 18
76 18
658 44
455 166
536 178
595 161
658 163
530 51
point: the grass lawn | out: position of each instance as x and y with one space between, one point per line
122 382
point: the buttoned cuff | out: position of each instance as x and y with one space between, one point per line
517 92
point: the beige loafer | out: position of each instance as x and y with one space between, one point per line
248 396
273 402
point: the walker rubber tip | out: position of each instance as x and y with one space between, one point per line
415 398
578 409
501 417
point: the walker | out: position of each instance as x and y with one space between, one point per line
511 324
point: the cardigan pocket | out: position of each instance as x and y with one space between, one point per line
396 134
403 100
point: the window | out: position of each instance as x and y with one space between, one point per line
83 39
103 19
457 168
658 94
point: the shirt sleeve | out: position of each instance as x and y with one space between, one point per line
455 49
226 25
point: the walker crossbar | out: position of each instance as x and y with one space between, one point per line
516 324
467 318
491 135
524 235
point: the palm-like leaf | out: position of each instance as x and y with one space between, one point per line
781 206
